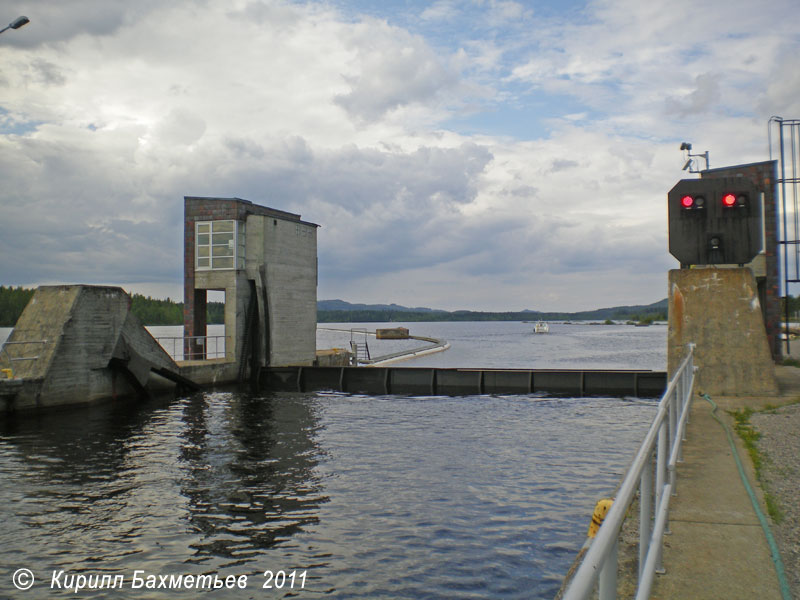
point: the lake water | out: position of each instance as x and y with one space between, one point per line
513 345
362 497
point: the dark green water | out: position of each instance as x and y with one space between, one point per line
369 497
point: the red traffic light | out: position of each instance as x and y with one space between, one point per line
730 200
693 202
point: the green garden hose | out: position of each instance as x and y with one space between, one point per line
773 547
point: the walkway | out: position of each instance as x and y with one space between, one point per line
717 549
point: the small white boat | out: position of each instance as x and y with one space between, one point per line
541 327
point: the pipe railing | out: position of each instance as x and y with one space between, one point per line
21 355
662 442
10 358
194 347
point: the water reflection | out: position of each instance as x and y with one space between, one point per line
376 497
69 471
205 483
249 473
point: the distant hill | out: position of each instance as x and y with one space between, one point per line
342 305
622 312
166 312
339 311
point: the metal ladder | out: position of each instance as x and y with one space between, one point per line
360 349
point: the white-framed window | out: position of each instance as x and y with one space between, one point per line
215 244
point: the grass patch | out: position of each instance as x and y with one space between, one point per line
791 362
750 437
773 508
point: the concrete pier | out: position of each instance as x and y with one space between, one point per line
717 548
718 310
75 344
716 545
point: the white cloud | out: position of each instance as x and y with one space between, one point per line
180 127
703 98
392 69
107 122
440 10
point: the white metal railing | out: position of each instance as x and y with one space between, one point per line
194 347
663 440
360 349
21 355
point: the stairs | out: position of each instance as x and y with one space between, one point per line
359 347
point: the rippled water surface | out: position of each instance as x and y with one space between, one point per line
374 497
371 497
513 345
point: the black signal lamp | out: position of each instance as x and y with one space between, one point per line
693 202
713 221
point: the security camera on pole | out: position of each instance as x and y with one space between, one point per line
691 164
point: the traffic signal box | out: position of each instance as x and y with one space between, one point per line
714 221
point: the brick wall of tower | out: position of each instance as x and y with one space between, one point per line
201 209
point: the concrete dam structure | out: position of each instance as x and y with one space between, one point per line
264 261
74 344
718 311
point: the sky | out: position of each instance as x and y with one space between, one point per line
473 154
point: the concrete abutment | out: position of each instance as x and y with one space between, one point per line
718 310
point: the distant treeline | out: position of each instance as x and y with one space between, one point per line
640 314
12 302
150 311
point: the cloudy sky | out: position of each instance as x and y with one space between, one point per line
480 154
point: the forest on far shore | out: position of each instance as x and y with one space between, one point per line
150 311
153 311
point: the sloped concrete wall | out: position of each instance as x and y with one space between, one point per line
83 327
140 342
39 328
88 336
717 309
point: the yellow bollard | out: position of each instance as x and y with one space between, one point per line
9 373
600 511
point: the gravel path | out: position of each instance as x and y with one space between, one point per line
780 444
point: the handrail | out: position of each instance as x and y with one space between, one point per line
663 440
200 340
356 347
5 355
436 346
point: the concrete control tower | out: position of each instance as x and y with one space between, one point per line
265 262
